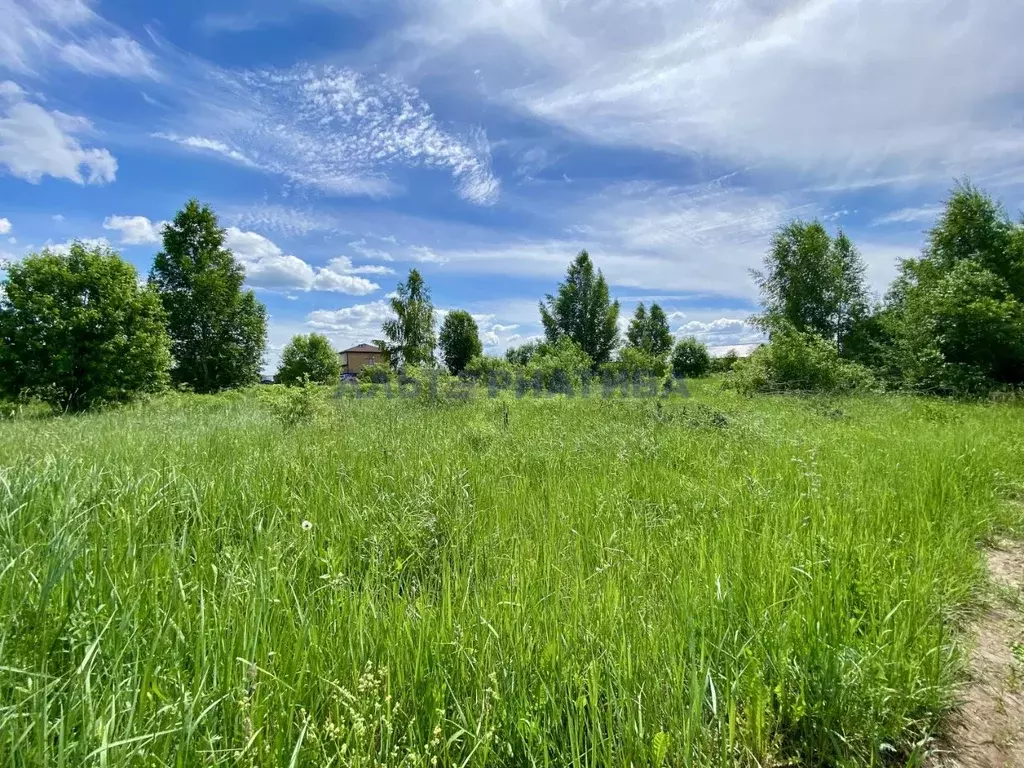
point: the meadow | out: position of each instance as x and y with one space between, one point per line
713 580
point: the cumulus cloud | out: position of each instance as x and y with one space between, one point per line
268 267
5 226
135 230
35 142
335 130
723 332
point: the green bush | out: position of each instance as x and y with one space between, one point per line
690 359
78 330
635 363
376 373
798 362
309 359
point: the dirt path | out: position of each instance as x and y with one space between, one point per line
989 726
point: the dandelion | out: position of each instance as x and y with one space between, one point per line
306 525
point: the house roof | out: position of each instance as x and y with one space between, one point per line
362 348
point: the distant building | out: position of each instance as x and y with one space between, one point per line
354 359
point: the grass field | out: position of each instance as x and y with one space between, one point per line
704 581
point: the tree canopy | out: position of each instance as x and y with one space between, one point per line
78 330
409 338
218 331
459 340
583 311
812 282
649 332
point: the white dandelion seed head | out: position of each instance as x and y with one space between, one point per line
306 525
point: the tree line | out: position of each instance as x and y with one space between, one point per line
80 329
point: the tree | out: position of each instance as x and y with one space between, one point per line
690 359
583 311
955 316
812 282
218 331
409 336
460 340
78 330
650 332
309 358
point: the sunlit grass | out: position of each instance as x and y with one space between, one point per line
710 581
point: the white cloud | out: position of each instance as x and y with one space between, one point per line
268 267
5 226
35 143
343 265
292 222
910 215
88 242
40 34
135 230
642 236
723 333
210 145
120 56
333 129
845 91
350 325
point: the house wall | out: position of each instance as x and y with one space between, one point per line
353 362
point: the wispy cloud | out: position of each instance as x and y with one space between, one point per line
120 56
38 35
332 129
845 93
910 215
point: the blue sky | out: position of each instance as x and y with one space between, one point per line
485 142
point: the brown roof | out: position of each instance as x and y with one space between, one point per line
362 348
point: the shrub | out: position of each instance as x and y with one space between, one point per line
77 330
491 370
636 363
798 362
690 359
559 367
376 373
311 359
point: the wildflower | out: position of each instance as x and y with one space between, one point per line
306 525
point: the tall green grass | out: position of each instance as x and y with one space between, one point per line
704 581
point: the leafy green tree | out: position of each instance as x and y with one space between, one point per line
560 365
78 330
460 340
955 317
583 311
409 336
650 332
309 358
812 282
218 331
690 359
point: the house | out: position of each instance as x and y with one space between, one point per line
354 359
